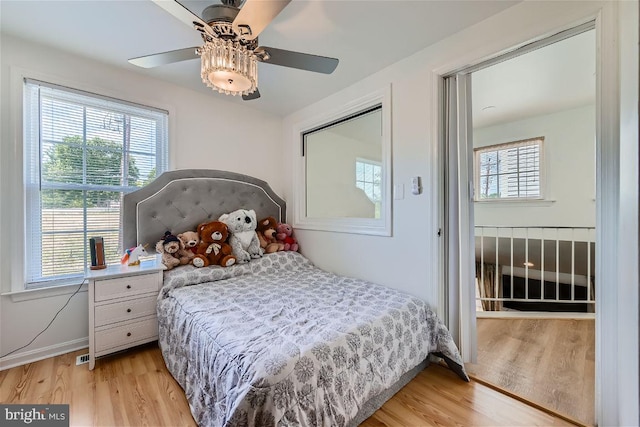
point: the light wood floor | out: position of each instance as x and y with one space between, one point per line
548 361
131 388
134 388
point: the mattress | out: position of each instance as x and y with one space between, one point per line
278 341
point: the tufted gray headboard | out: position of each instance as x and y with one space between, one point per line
180 200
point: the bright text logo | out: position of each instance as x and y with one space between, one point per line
36 415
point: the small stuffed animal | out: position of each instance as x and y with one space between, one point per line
285 235
267 235
189 244
244 240
213 248
132 256
169 247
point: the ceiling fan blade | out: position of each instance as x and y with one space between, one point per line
253 95
255 15
185 15
157 59
302 61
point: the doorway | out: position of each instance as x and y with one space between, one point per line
523 174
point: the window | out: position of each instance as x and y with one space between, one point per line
509 171
369 180
82 153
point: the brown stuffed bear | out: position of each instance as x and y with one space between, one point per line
189 241
266 231
213 248
169 247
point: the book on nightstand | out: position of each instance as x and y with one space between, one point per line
96 245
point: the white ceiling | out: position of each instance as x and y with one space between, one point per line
553 78
365 35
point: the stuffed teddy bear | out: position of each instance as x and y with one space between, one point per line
267 235
213 248
169 247
189 241
244 240
285 235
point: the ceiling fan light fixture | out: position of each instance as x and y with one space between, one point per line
228 67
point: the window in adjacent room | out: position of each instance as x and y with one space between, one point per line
82 153
369 180
509 171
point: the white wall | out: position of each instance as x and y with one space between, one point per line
205 132
569 171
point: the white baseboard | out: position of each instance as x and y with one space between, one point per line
532 315
43 353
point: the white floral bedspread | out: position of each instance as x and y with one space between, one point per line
281 342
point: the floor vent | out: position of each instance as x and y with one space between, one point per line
82 359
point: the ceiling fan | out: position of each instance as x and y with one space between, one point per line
230 52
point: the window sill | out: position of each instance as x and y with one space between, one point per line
511 203
52 291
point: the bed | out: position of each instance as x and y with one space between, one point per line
276 341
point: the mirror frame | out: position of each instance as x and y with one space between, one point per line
372 226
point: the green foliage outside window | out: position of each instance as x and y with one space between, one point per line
63 163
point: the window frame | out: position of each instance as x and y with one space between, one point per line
19 86
371 226
539 141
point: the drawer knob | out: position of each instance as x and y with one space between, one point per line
128 286
128 310
128 334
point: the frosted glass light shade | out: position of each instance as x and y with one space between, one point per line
228 67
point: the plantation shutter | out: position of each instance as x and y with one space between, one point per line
82 153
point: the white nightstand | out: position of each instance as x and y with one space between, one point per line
122 307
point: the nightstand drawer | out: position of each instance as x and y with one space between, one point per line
125 310
126 334
125 286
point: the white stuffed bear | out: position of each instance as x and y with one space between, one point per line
243 238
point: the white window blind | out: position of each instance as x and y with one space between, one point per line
509 171
82 152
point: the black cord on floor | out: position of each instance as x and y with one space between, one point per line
50 323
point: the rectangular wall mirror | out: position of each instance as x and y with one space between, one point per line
343 163
345 169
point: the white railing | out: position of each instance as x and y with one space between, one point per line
535 268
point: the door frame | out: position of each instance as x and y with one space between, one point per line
607 331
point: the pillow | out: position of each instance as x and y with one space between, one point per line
274 263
